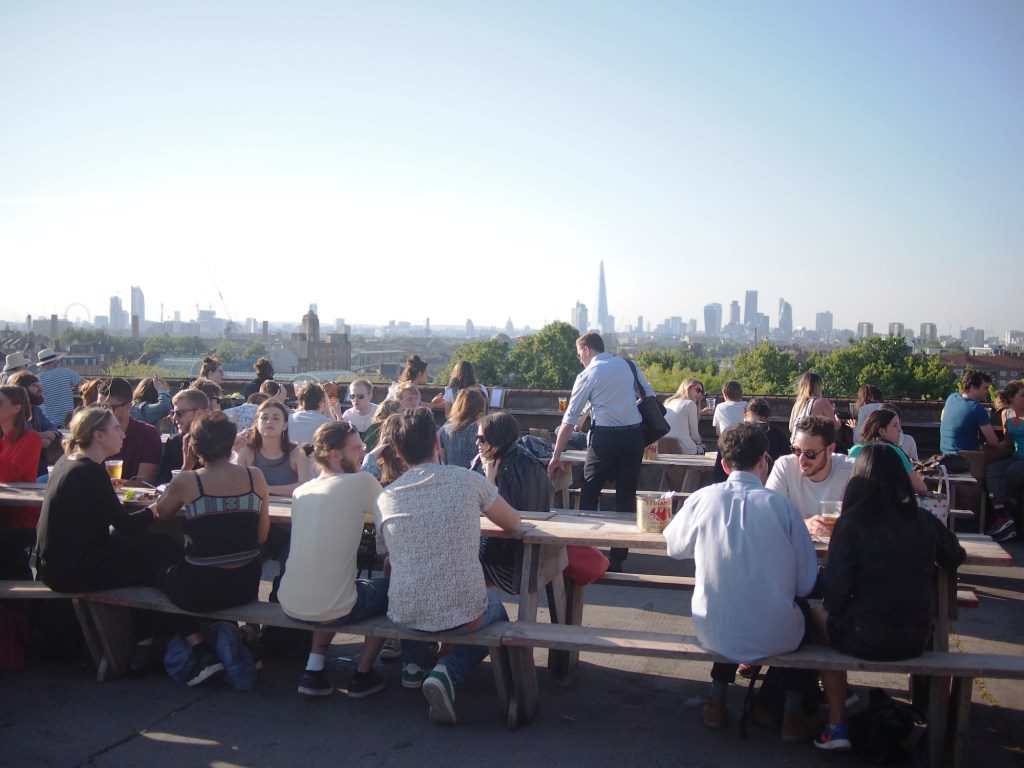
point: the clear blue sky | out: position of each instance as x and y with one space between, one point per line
454 160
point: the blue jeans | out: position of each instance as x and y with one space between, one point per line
371 600
463 659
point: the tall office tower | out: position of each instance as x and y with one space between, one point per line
426 328
691 327
579 317
823 324
929 332
470 330
865 330
712 319
116 314
139 304
760 325
734 313
750 308
785 318
639 324
896 330
602 302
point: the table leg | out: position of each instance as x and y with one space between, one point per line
92 641
960 715
558 661
528 583
525 696
116 632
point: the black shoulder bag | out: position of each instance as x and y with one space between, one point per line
652 412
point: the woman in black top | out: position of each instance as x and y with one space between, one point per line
264 371
879 577
77 552
225 510
522 481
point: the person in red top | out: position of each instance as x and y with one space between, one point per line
19 450
20 446
142 449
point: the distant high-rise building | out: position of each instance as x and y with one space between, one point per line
118 317
602 302
310 326
929 332
896 329
823 324
785 318
973 337
691 327
177 315
426 328
639 324
470 330
734 313
750 308
865 330
509 328
712 319
761 325
139 304
580 321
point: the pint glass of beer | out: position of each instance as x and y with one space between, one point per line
114 468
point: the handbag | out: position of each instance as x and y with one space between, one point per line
938 506
652 412
586 564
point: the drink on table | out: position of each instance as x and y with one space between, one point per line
114 468
563 403
711 402
830 511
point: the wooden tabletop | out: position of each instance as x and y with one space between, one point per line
707 461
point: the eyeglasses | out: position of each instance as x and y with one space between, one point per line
480 439
182 411
811 455
112 406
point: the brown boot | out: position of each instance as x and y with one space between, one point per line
763 717
798 727
716 713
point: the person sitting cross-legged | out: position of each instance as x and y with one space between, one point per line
879 579
755 561
428 520
320 584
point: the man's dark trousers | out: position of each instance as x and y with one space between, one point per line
616 454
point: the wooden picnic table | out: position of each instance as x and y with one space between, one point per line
664 460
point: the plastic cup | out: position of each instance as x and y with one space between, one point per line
712 401
114 467
175 473
563 403
830 511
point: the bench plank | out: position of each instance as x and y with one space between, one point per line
670 646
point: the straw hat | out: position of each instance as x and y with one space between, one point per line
15 360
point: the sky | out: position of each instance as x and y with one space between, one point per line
456 160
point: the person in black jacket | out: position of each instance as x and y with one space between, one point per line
522 480
879 577
264 372
77 552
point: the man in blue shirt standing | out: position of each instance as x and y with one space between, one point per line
755 561
616 448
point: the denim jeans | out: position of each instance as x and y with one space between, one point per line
371 600
463 659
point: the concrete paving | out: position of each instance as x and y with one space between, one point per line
613 710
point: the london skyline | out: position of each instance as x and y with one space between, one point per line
862 159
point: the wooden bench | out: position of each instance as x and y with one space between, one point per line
961 668
106 624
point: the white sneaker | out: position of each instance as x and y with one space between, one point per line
440 693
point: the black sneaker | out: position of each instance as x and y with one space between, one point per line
361 686
1000 525
315 684
206 668
1007 533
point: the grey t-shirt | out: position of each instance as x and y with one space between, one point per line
429 520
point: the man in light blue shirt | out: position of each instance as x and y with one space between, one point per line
754 560
616 448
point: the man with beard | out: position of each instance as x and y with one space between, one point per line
319 583
38 423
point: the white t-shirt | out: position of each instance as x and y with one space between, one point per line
302 425
327 525
728 413
358 420
787 479
909 446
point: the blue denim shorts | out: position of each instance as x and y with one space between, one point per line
371 600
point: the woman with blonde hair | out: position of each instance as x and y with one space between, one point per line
372 435
458 435
810 400
683 414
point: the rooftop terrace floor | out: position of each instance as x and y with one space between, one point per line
614 710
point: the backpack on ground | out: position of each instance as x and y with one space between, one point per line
888 731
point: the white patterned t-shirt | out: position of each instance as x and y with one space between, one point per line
429 521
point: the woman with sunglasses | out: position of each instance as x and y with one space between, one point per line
360 415
683 414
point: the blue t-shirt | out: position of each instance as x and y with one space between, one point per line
960 423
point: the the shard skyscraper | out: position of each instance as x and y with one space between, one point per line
602 302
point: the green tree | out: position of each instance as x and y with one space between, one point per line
488 356
254 350
666 369
128 369
121 346
764 370
888 364
545 360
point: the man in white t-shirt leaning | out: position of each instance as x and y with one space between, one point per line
814 473
360 415
730 412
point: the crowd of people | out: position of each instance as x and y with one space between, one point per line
426 487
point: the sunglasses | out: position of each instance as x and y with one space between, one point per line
698 390
182 411
112 406
357 397
811 455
